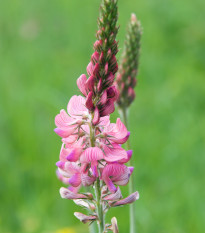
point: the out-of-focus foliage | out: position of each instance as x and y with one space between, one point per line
44 47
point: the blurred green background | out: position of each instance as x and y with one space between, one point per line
44 47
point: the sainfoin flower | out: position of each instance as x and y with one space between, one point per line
92 153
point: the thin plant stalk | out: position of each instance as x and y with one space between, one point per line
132 208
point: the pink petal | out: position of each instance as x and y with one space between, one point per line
96 69
103 98
108 108
62 178
63 120
105 121
69 169
90 69
90 84
91 154
114 196
117 132
114 153
99 85
69 140
76 107
85 204
113 93
95 57
110 185
81 84
74 155
96 117
128 200
89 101
75 180
116 173
87 180
85 218
67 194
131 170
129 155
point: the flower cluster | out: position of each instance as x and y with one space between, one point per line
90 151
128 69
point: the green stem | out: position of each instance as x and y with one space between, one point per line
100 212
124 115
99 204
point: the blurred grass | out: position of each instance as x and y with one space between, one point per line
44 47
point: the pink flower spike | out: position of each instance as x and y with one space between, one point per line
85 218
89 101
81 84
114 196
96 118
128 200
67 194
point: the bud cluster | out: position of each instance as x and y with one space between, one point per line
128 69
98 89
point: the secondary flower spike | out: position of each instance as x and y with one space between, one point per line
128 69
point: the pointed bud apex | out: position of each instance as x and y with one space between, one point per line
95 57
106 68
98 45
99 86
101 57
96 117
90 83
103 98
108 108
89 101
96 69
90 69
